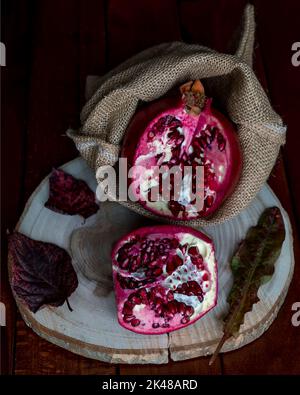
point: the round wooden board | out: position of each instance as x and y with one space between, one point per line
92 328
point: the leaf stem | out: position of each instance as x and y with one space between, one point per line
218 349
68 304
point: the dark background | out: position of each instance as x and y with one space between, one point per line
51 47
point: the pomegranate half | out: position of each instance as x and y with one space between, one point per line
183 130
165 278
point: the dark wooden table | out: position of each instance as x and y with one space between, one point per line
51 47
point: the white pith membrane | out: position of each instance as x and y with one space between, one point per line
143 313
214 160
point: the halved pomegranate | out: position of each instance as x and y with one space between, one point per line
183 131
165 278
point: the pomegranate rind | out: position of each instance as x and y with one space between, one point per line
144 313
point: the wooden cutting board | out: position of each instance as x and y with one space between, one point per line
92 329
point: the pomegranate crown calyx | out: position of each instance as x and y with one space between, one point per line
193 96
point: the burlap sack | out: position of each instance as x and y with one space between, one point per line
150 74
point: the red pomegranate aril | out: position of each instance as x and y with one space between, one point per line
209 201
175 207
174 264
127 309
147 298
151 134
170 295
174 243
159 311
184 286
181 308
169 315
128 318
135 322
189 311
193 251
177 260
185 320
197 261
172 308
157 272
135 300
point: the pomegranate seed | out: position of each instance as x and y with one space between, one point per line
213 134
207 131
159 310
184 286
220 138
193 251
222 146
135 322
174 243
152 264
135 300
169 315
205 277
195 286
197 148
209 201
165 325
138 260
172 308
145 258
155 325
170 267
189 311
128 318
142 293
161 248
127 309
151 135
157 302
184 320
181 307
202 142
175 207
177 260
157 272
170 295
197 261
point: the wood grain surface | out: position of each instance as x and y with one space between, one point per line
51 47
